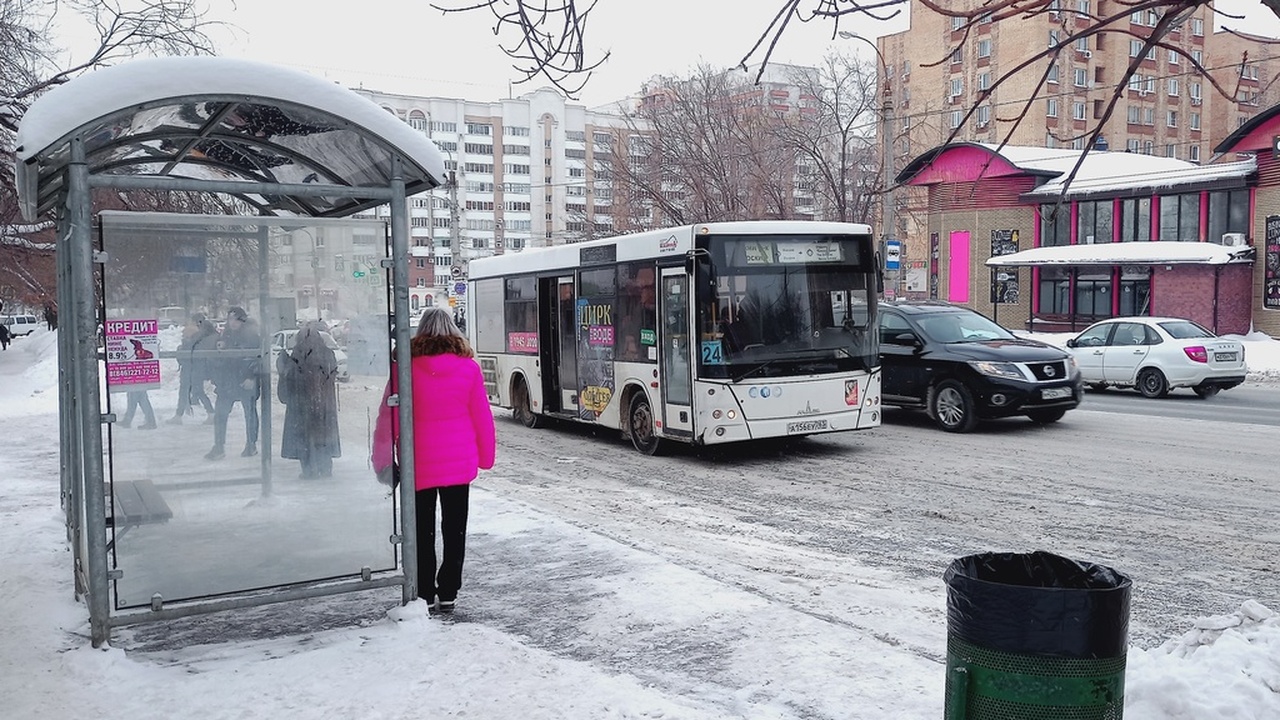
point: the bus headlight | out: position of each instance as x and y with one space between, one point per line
733 414
715 414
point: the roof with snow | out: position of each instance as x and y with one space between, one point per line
221 119
1158 252
1257 134
1100 172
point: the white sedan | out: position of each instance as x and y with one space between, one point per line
1156 355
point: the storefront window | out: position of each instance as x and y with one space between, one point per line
1093 222
1228 213
1180 217
1135 291
1135 220
1093 292
1055 224
1055 291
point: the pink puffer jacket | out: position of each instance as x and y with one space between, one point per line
452 422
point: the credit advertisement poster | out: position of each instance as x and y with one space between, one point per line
1271 255
133 354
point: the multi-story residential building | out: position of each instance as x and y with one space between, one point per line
1166 109
523 176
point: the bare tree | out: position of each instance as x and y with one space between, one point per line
557 49
30 65
699 149
835 136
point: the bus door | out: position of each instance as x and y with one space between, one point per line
566 345
549 342
674 357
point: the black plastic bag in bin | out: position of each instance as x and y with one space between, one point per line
1038 604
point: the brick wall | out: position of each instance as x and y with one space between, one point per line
1216 296
979 224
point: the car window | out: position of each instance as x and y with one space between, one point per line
1095 336
1185 330
891 324
949 327
1129 335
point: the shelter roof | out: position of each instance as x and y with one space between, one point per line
1158 252
1028 160
221 119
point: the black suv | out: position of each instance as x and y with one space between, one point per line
961 366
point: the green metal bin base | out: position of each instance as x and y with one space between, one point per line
985 684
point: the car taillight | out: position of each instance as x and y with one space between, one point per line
1197 353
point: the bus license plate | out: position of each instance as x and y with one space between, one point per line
1224 357
1055 393
806 426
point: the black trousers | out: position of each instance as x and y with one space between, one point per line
454 502
222 410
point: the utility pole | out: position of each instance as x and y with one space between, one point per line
455 233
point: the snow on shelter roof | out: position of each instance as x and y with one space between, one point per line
223 119
1159 252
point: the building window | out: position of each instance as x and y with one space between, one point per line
1077 111
1173 87
957 87
1055 224
984 48
1093 292
1053 38
1093 222
1053 74
1082 44
1197 27
1173 57
1051 109
479 129
1194 154
1135 48
1228 213
1055 291
984 80
1180 217
1171 118
1135 219
516 131
1171 151
1135 292
956 57
984 115
1195 121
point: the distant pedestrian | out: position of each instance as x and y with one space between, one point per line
199 340
51 314
308 377
236 379
453 440
5 336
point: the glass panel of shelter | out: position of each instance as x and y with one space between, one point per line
239 455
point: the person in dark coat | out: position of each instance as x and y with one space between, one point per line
236 379
199 337
5 337
308 387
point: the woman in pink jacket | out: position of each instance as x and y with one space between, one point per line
453 439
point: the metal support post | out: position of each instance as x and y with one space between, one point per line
404 379
85 318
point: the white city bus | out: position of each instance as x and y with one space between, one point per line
711 333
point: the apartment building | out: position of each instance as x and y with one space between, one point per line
940 68
524 176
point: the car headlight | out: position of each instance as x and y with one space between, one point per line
997 369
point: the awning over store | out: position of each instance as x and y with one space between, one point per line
1129 253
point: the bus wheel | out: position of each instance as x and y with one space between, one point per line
523 412
640 418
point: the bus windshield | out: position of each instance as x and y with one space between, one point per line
773 305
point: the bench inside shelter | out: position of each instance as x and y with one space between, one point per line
137 502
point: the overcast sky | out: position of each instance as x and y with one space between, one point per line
406 46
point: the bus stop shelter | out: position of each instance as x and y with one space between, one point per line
310 236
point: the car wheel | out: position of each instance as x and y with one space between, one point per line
1044 417
952 408
1206 391
640 424
524 407
1151 383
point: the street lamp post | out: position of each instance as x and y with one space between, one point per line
888 219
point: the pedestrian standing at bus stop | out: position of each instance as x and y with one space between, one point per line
453 439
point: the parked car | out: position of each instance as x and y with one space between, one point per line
960 367
1156 355
282 341
20 324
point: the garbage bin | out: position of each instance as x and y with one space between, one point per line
1035 637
